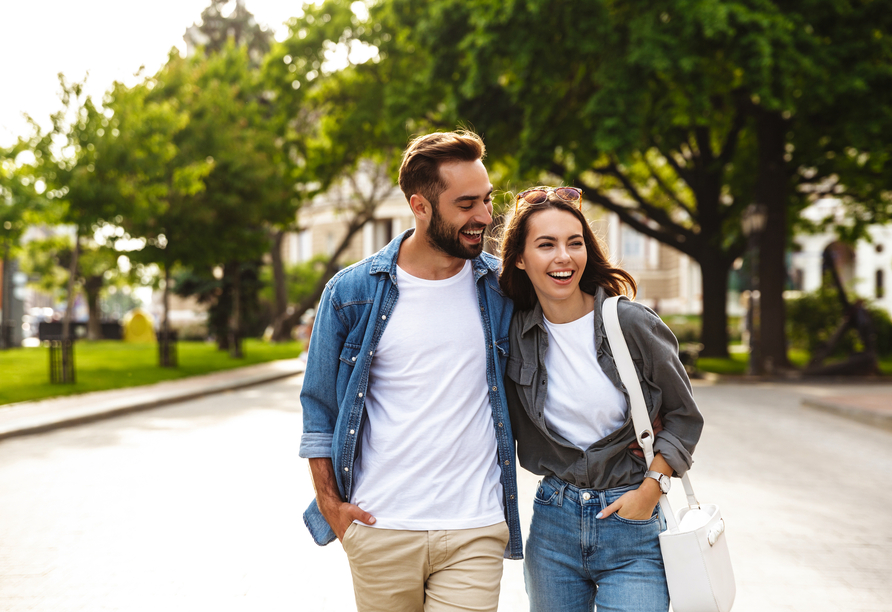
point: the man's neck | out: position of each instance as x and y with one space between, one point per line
421 260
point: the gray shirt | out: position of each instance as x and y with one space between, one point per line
608 462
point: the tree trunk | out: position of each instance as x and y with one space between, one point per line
281 332
235 341
167 349
92 287
714 331
72 275
165 322
771 190
291 317
5 302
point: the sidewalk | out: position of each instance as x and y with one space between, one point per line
868 404
864 399
35 417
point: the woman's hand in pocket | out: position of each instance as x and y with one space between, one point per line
637 505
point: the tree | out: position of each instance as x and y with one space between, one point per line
674 117
75 160
244 188
216 31
335 124
49 260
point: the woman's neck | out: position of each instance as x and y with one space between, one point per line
564 311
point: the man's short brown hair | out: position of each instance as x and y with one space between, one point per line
420 170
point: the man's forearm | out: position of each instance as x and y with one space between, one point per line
324 482
336 511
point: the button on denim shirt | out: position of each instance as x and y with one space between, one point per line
607 463
353 312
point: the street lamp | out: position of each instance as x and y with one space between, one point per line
753 222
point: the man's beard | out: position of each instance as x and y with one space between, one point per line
445 237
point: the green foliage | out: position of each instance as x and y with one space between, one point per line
217 294
20 201
813 317
114 364
300 278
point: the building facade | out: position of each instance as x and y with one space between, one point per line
864 268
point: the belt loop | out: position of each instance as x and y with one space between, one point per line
560 499
602 496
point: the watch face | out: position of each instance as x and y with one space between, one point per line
665 483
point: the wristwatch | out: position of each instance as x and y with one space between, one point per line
664 481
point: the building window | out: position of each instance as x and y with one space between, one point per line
632 244
879 288
797 278
383 233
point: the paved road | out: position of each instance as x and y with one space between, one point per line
197 507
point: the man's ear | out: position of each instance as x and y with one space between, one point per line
420 207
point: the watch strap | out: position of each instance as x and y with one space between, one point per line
659 476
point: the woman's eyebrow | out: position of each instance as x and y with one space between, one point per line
574 236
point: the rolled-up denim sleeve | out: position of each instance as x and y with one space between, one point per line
682 420
319 396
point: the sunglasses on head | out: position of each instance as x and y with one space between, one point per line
537 195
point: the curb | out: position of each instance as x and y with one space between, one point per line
863 415
52 422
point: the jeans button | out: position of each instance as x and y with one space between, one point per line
586 496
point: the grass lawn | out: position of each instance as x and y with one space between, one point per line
109 364
737 363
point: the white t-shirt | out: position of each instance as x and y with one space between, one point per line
429 458
582 404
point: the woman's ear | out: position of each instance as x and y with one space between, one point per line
519 263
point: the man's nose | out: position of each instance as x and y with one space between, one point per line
484 216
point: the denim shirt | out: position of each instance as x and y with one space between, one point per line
353 312
607 463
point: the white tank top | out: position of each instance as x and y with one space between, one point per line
582 404
429 457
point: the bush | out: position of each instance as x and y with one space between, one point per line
685 327
813 317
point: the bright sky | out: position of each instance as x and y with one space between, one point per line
110 39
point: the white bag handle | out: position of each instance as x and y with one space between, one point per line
640 419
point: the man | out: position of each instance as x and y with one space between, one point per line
405 420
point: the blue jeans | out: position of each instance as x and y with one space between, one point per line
575 561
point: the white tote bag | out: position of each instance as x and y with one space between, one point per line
694 546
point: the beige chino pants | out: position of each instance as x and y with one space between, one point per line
426 571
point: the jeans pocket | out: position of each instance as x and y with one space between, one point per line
545 495
653 518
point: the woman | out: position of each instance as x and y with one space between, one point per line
594 535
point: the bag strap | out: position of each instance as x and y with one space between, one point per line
640 419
